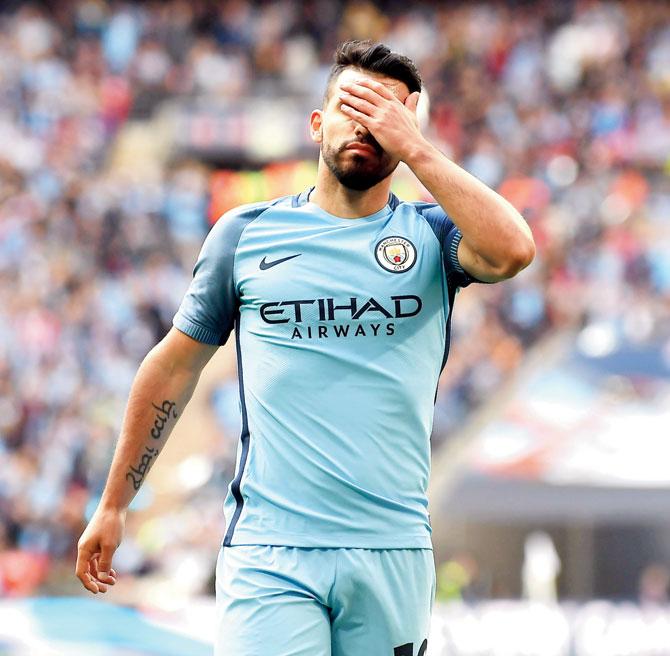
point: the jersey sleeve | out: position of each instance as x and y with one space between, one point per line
207 311
449 237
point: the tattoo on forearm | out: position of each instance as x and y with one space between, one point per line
167 410
136 474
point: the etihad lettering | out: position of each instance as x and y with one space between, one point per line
328 309
342 330
372 306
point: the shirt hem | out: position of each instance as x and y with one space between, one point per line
333 542
197 332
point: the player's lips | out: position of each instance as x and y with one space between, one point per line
366 148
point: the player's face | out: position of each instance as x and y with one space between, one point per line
348 149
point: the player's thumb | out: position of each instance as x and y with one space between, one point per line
105 563
412 101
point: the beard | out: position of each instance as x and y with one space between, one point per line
360 172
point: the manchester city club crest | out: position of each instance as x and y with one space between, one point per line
395 254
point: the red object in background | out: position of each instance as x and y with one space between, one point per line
224 193
116 100
229 189
22 572
632 186
526 194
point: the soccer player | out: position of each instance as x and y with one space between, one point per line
340 298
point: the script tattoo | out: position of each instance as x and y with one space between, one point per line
165 411
136 474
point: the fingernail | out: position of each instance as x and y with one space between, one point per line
105 574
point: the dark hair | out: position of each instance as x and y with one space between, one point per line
376 58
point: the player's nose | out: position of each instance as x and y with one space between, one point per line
360 131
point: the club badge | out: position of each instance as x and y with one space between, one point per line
395 254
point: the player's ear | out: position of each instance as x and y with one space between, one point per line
316 126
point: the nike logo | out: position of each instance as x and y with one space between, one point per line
268 265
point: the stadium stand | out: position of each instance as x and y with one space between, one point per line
94 255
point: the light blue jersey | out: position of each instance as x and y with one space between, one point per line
342 330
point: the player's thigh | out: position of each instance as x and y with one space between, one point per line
262 612
383 603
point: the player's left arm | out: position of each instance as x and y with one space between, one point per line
497 242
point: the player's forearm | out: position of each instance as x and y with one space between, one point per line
489 223
157 398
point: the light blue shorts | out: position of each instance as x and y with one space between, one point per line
294 601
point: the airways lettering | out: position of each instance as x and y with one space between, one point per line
398 307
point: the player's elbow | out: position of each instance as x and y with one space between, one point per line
522 255
517 257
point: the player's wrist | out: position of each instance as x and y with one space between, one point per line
418 153
108 505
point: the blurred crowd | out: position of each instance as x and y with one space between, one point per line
564 107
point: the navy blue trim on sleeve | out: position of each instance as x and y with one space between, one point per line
449 236
452 250
207 311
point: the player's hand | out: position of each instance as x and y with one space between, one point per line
96 548
392 123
